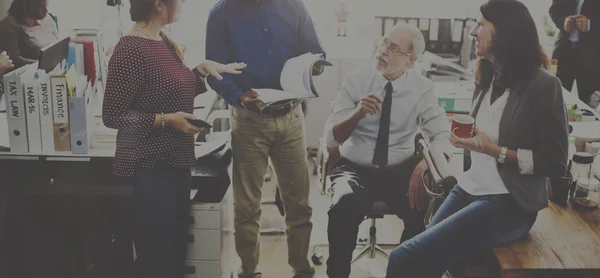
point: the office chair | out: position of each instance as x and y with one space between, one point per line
438 174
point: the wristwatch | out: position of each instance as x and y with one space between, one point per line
197 72
502 156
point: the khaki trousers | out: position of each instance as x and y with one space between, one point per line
255 138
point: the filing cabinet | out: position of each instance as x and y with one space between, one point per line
211 252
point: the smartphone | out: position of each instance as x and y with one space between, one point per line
200 123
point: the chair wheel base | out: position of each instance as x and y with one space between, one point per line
371 251
317 259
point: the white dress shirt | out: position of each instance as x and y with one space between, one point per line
414 106
483 178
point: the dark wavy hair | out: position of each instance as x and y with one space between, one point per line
35 9
516 45
143 10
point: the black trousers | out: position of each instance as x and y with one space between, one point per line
578 62
161 209
355 189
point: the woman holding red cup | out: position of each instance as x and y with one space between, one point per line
519 143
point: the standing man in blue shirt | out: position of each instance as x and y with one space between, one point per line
264 34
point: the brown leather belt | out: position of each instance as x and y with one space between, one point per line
276 110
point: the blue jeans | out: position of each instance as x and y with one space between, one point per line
464 226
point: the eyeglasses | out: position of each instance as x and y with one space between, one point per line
393 48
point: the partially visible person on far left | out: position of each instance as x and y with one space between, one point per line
26 29
6 64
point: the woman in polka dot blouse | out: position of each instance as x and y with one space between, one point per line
149 99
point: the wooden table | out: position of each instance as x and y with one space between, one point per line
564 242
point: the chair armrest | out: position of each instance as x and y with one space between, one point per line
440 162
329 160
443 178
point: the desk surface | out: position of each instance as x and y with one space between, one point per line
563 240
101 148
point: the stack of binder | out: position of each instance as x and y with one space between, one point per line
49 113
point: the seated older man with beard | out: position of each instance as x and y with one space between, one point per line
376 117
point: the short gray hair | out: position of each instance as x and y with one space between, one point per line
418 40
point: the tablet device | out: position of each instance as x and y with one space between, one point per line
53 54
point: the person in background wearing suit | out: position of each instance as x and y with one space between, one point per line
27 29
520 143
578 45
264 34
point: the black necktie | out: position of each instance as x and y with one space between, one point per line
380 158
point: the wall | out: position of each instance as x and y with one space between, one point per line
4 5
328 86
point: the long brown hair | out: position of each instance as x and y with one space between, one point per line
143 10
35 9
516 45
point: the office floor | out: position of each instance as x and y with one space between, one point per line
273 260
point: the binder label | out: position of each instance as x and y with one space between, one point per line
45 101
61 115
31 105
13 101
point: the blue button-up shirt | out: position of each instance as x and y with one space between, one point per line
263 35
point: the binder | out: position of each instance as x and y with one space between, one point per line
15 110
60 111
71 55
32 107
89 59
46 114
81 114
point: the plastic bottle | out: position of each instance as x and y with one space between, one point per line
572 148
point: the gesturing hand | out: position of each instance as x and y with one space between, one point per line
369 104
581 23
215 69
569 24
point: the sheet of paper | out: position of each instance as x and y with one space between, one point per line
272 95
457 32
433 31
193 193
295 76
213 143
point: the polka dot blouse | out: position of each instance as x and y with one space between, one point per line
145 79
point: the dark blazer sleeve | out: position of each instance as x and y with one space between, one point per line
559 11
9 42
551 127
592 11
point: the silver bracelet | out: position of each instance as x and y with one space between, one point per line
162 120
